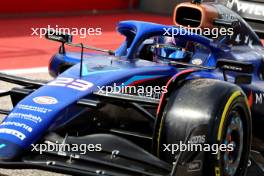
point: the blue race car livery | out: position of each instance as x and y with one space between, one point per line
206 91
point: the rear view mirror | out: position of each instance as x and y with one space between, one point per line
246 70
58 36
235 66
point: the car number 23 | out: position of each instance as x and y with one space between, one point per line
76 84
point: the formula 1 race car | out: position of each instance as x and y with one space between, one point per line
167 102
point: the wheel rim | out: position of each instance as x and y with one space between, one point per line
234 135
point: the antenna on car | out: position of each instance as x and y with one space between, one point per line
81 66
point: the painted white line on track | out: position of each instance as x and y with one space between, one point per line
26 71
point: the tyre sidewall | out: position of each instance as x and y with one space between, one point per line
241 103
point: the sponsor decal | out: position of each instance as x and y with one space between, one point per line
197 139
15 133
195 166
246 7
33 108
197 61
53 37
30 117
76 84
45 100
259 98
17 124
247 40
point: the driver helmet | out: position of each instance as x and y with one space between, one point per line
169 48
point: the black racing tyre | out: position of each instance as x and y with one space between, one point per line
223 108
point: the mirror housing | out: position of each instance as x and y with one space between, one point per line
58 36
235 66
